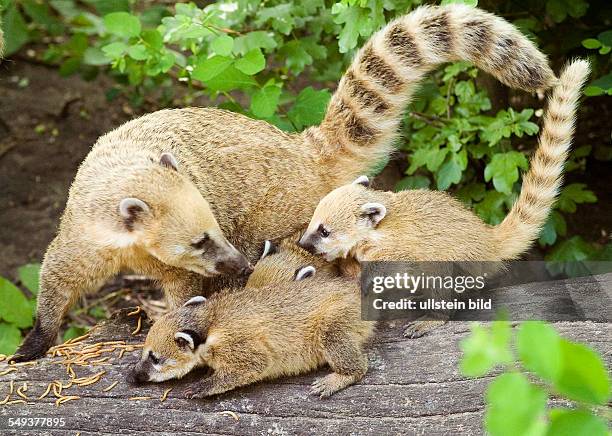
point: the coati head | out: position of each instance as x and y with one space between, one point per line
343 218
169 218
284 261
176 344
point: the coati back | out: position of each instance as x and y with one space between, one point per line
251 174
422 225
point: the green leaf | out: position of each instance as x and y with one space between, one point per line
606 38
450 173
583 375
95 56
153 38
14 306
491 208
115 50
10 338
231 79
357 21
431 157
253 40
122 24
555 225
540 350
29 275
252 63
485 348
138 52
15 30
573 194
412 182
565 422
265 101
297 56
503 169
211 67
222 45
593 91
309 107
471 192
515 406
591 43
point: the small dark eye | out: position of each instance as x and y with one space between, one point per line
323 231
200 242
153 359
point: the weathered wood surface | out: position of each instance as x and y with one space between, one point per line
412 387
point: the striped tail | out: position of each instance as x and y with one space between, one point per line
364 113
542 182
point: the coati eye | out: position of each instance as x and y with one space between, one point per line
200 242
323 231
153 359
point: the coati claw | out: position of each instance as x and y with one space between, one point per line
417 329
330 384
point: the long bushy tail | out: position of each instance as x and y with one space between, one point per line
541 183
364 113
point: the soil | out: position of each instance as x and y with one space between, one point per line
48 124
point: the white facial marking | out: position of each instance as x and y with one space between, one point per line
195 300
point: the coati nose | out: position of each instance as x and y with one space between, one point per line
307 245
239 266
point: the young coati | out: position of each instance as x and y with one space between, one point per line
421 225
252 174
285 261
264 331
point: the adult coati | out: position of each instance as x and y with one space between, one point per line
251 174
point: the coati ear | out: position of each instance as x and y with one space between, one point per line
168 160
187 338
363 181
269 248
195 300
131 209
373 212
304 273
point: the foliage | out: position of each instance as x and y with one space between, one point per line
255 58
16 309
537 363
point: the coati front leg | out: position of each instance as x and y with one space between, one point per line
179 285
345 357
236 366
67 272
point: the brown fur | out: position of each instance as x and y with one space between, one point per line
264 332
251 174
422 225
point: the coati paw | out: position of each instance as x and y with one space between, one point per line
416 329
330 384
192 395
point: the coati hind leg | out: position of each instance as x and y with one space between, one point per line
345 357
67 272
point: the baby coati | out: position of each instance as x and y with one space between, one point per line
130 209
420 225
263 331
